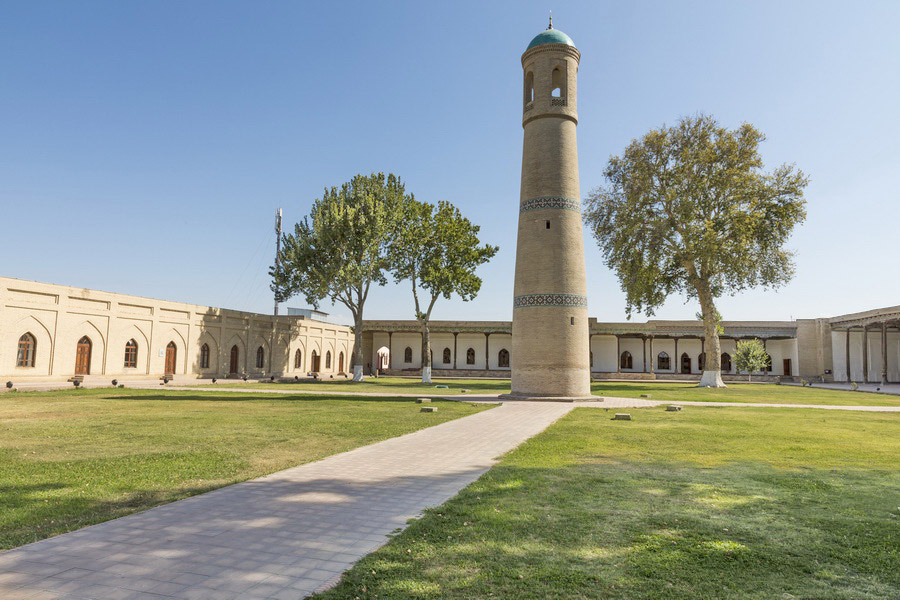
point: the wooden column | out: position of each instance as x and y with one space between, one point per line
455 334
847 355
884 363
487 352
703 354
644 339
865 354
652 357
390 350
677 359
618 355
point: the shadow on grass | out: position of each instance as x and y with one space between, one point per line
179 396
643 530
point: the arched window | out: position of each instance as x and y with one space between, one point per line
701 361
204 356
233 362
341 362
625 361
407 355
446 356
556 83
298 359
529 88
328 359
768 366
131 354
260 358
726 362
25 355
685 364
503 358
470 356
662 362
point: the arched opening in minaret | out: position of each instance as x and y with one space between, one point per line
529 88
557 83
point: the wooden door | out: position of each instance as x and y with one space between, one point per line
233 364
315 362
83 357
685 364
341 362
787 367
171 352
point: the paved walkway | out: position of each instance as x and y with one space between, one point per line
282 536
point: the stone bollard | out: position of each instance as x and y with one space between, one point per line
645 395
428 409
673 408
622 417
422 400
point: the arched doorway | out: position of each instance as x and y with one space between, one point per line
171 352
83 356
685 364
233 363
314 360
726 362
341 362
382 358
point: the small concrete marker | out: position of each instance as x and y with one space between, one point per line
673 408
428 409
442 387
422 400
622 417
645 395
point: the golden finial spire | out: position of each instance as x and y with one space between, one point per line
550 26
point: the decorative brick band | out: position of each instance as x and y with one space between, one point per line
550 202
564 300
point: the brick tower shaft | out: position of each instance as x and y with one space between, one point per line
550 346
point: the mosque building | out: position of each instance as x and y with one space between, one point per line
552 348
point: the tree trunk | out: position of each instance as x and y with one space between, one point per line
712 369
426 353
357 346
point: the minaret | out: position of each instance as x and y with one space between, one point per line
550 344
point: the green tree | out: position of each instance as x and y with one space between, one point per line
437 250
688 209
341 249
750 356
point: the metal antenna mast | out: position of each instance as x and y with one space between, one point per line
277 247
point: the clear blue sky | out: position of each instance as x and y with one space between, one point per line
144 146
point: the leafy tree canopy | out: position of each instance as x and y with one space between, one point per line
437 250
341 248
689 209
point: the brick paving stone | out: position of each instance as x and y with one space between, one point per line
282 536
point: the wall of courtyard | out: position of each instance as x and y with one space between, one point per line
58 317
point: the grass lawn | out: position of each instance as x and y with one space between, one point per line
742 392
76 457
708 503
666 392
382 385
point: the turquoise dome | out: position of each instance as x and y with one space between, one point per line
551 36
